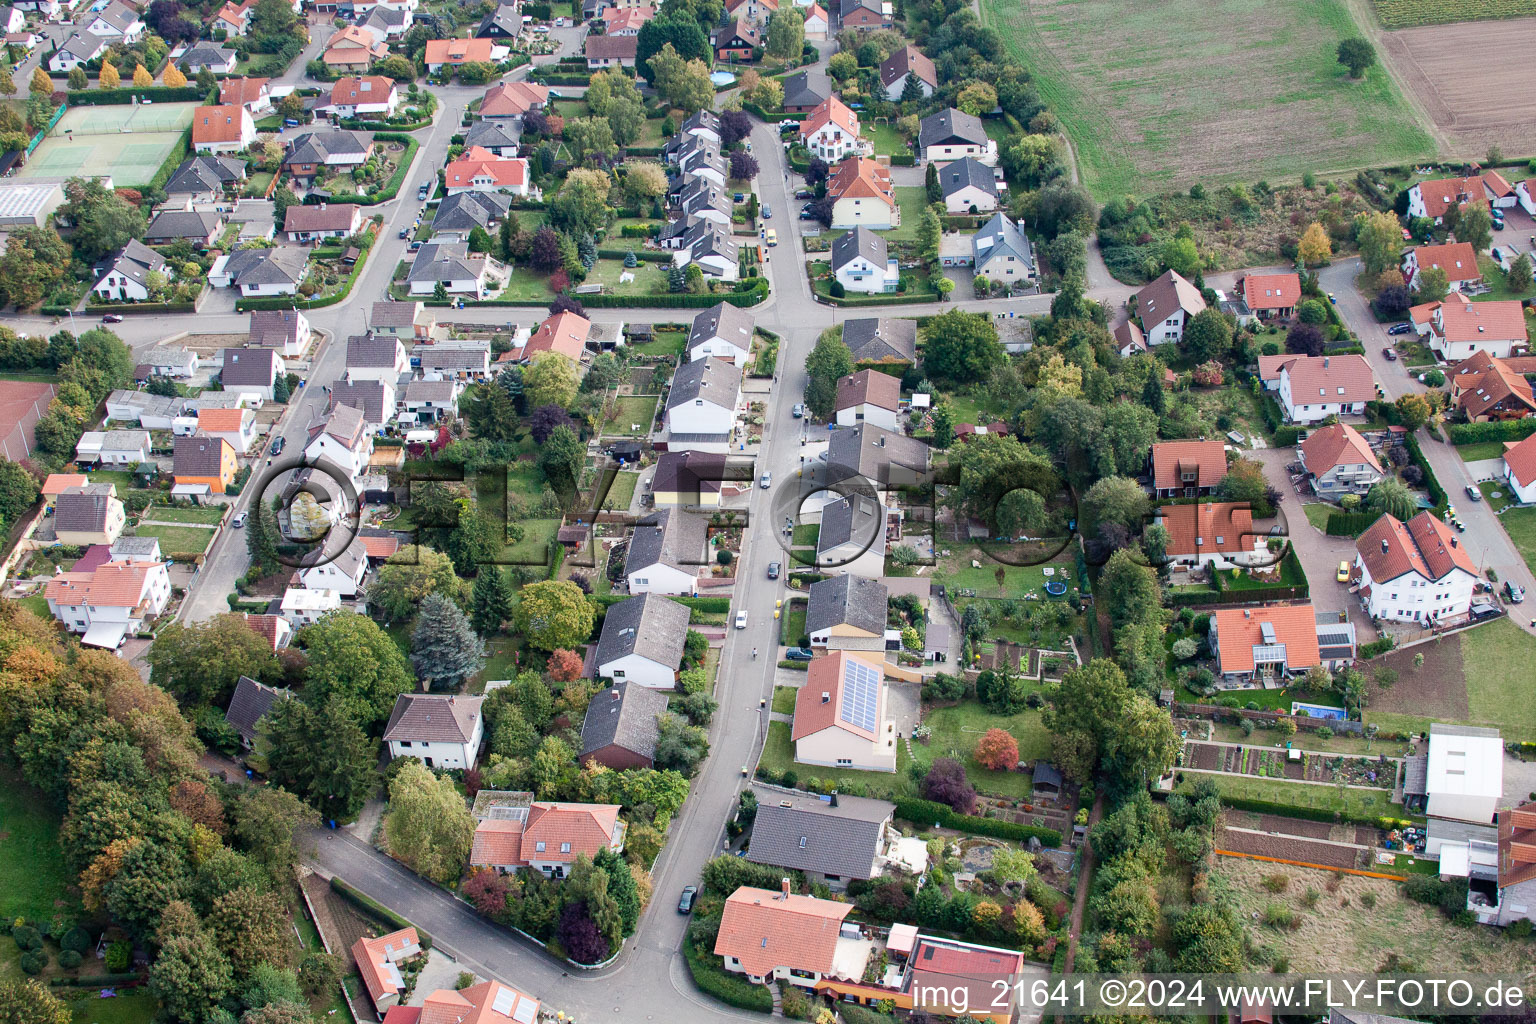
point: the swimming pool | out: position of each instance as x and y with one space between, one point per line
1317 710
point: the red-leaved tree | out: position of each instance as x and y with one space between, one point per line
946 783
487 890
997 750
564 666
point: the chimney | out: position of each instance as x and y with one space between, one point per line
1383 545
784 888
834 798
614 693
1453 542
1247 613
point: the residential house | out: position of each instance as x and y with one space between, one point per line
642 642
401 320
110 601
12 19
458 270
251 371
1312 388
428 401
505 22
124 275
831 131
77 51
1340 462
865 13
1433 198
353 49
1463 783
842 715
341 438
375 399
756 12
113 447
301 607
1519 469
545 836
1511 896
327 151
376 357
234 19
1485 388
1218 534
853 535
88 514
888 459
199 227
703 124
363 96
389 24
1271 296
908 63
1457 259
610 51
499 138
152 412
666 551
454 53
565 333
252 700
1417 571
274 629
953 134
723 331
176 363
117 22
378 961
1002 252
257 272
832 842
254 94
711 248
343 574
1458 328
886 342
804 91
780 935
691 479
1166 307
480 170
817 22
443 731
49 9
861 263
1187 469
507 100
285 330
620 728
203 464
847 613
699 158
1266 645
737 40
969 186
1128 339
56 484
236 426
220 60
489 1002
701 405
862 194
317 223
204 179
868 396
700 199
453 362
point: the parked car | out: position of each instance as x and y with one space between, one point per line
685 903
741 619
765 481
804 193
1513 592
767 212
1343 574
799 654
415 246
1474 493
1400 328
290 122
806 213
739 197
239 521
112 318
1390 353
773 570
277 445
799 410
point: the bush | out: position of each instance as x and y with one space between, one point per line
33 961
729 989
1498 430
70 959
77 939
27 937
927 813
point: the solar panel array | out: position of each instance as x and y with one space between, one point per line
861 694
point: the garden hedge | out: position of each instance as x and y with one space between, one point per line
928 812
747 297
1349 524
712 980
1431 484
97 980
643 255
1238 803
155 94
392 186
1497 430
706 604
377 909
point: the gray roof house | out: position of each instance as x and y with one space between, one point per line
249 705
883 457
205 55
196 226
642 641
847 601
881 340
433 718
837 839
951 128
620 728
285 330
963 174
506 20
261 271
851 529
334 147
462 212
1001 251
124 274
806 90
249 367
452 265
497 135
723 330
665 552
374 399
374 351
86 509
861 241
205 175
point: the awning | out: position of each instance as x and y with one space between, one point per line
105 634
190 489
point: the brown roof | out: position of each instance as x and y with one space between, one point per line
217 124
1457 259
379 547
908 59
84 508
1129 335
764 930
325 217
370 955
1391 548
1210 527
265 626
819 702
869 387
1207 458
1238 632
1317 379
830 110
611 47
1158 300
509 99
433 718
858 177
565 333
1481 382
1462 320
57 483
458 51
199 455
240 91
1440 194
113 585
216 421
1330 446
586 828
1271 291
342 47
1517 845
350 90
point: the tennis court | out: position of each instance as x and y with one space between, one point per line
93 141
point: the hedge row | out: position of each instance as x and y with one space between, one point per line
1254 595
735 991
97 980
747 297
1349 524
1376 648
926 812
643 255
392 186
155 94
553 79
1431 484
130 308
706 604
1497 430
377 909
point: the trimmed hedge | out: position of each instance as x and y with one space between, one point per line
925 812
1238 803
1497 430
1287 437
1431 484
377 909
1349 524
156 94
642 255
748 297
130 308
1254 595
706 604
97 980
555 79
392 186
713 981
354 124
1376 648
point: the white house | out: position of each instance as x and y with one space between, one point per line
124 276
830 131
251 371
515 831
868 396
952 135
343 574
116 23
1001 252
784 936
258 272
109 602
1457 259
443 731
1214 533
458 270
862 194
842 716
286 330
427 401
1458 327
701 407
363 96
377 357
861 263
1340 462
1520 469
77 51
895 70
1433 198
303 607
642 642
666 551
1312 388
343 440
237 426
1417 571
113 447
711 248
847 613
969 186
723 331
1166 306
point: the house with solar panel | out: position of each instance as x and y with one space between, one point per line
842 717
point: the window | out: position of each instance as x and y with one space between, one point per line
845 760
565 847
618 673
405 743
539 846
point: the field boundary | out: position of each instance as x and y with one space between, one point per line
1307 864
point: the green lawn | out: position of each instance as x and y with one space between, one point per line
1317 514
650 279
621 492
256 184
178 540
1496 661
784 699
631 412
1137 85
37 604
1018 580
501 663
1520 524
533 549
779 755
1371 803
665 343
1498 285
1479 450
210 516
910 199
805 535
129 1006
32 875
888 141
122 478
793 624
957 729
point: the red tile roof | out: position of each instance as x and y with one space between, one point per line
240 91
458 51
1238 633
1319 380
1210 527
1271 291
1440 194
220 420
114 585
1521 458
380 547
266 627
565 333
1391 548
57 482
764 930
1462 320
509 99
819 702
477 162
1330 446
1207 458
587 828
857 177
1480 382
1457 259
371 955
350 90
218 124
830 110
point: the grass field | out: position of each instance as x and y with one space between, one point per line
533 549
621 492
1236 92
201 516
1317 513
910 199
1480 450
132 1006
630 412
779 754
179 540
665 343
784 700
32 877
37 604
956 730
1366 802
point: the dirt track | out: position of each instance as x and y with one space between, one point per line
1473 80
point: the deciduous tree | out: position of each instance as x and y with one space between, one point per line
961 346
352 658
1379 236
554 614
1314 249
1356 54
997 750
428 827
200 663
946 783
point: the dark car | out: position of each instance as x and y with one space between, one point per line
415 246
405 232
804 193
1390 353
685 902
112 318
277 445
1400 328
1513 592
799 654
773 570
